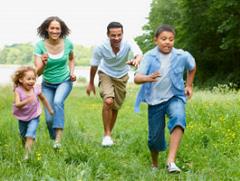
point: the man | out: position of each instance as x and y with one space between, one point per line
111 59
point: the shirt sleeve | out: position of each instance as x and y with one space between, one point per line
96 59
190 61
135 48
38 49
70 45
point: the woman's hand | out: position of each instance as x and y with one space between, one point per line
44 58
73 77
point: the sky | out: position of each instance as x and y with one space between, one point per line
87 19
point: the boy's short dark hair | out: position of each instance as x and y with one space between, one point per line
114 25
163 28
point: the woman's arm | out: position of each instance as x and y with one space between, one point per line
72 66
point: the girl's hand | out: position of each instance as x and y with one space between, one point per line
73 77
44 58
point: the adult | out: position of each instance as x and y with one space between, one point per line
54 59
111 59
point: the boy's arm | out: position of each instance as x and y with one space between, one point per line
189 82
141 78
45 103
19 103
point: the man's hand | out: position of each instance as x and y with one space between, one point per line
134 62
90 88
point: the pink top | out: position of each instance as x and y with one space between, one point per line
30 110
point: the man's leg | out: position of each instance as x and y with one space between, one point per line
114 118
108 116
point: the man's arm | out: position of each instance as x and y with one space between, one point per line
91 86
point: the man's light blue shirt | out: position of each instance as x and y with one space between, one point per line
179 62
113 64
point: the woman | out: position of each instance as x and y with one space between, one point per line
54 59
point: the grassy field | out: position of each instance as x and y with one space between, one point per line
210 149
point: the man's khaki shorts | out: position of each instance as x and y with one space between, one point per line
113 87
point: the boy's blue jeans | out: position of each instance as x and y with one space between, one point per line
56 95
174 108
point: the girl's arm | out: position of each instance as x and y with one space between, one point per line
45 103
19 103
72 66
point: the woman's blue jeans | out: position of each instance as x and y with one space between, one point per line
56 95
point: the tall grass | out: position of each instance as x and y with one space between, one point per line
210 149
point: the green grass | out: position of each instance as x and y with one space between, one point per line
210 149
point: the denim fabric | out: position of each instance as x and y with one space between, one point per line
174 108
180 60
56 95
28 128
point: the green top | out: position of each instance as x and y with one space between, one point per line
56 70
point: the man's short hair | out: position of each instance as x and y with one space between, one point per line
163 28
114 25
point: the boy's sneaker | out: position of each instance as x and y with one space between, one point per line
26 157
173 168
57 145
107 141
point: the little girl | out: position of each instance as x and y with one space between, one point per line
26 107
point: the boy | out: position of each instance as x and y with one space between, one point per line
161 73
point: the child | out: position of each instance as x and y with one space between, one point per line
161 73
26 107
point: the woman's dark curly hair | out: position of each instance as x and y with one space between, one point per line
42 29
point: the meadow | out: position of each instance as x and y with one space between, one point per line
210 149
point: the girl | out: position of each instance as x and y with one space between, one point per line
26 107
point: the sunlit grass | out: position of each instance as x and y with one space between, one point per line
209 150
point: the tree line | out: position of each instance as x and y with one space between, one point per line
23 54
209 29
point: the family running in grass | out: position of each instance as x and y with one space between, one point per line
160 71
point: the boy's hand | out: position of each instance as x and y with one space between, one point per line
153 77
188 91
